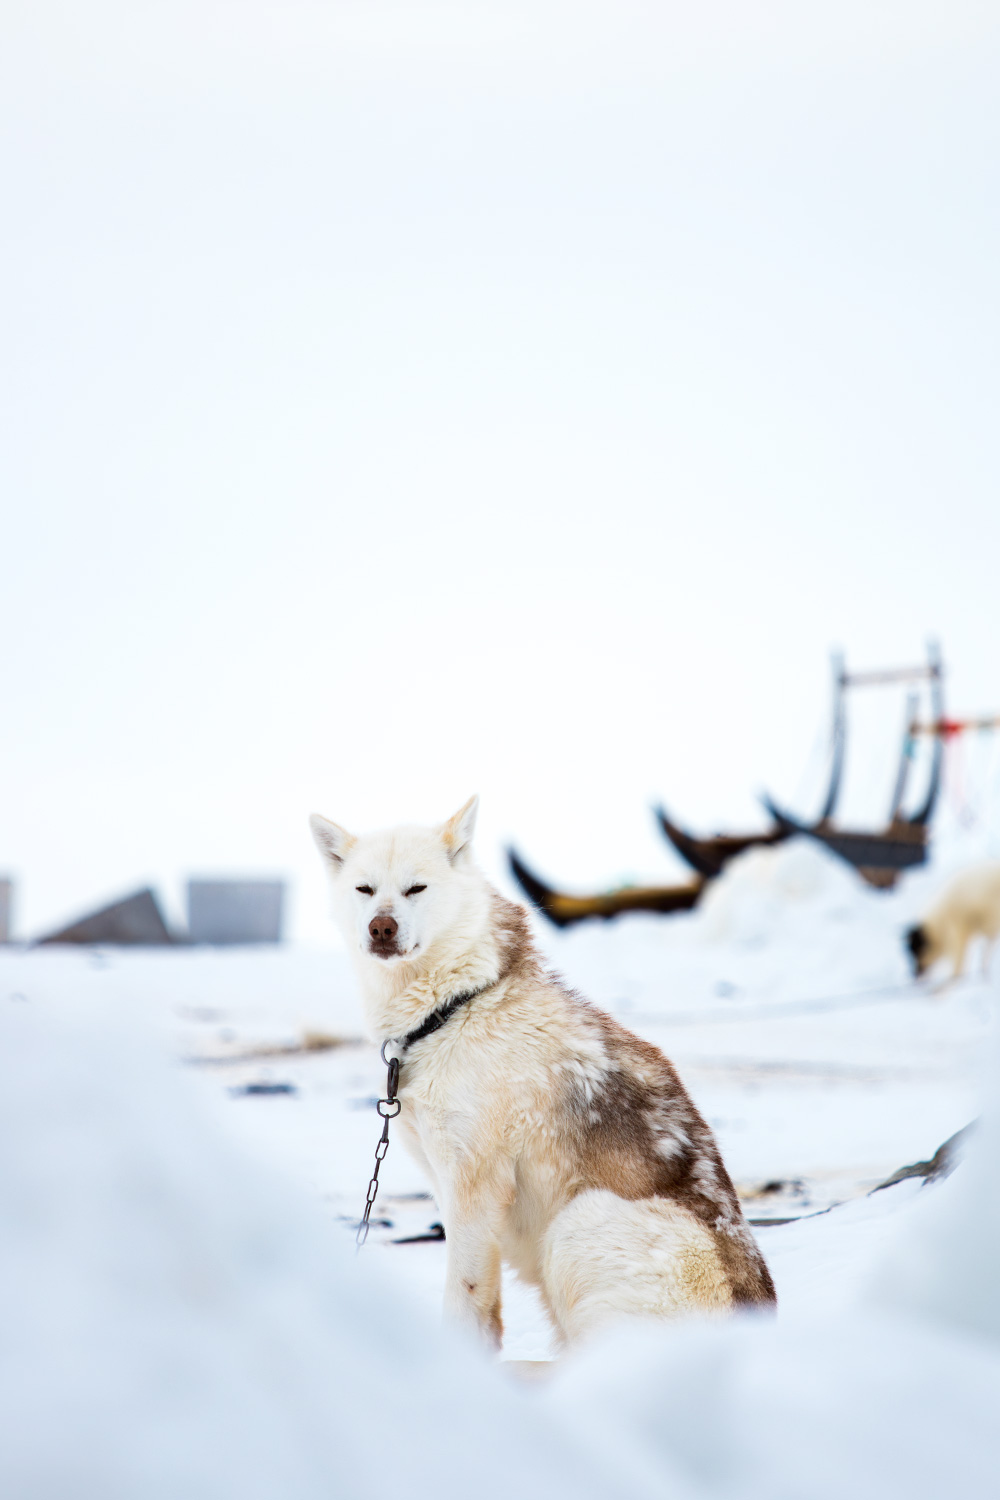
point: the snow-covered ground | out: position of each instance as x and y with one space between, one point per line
175 1299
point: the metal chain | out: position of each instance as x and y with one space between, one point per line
388 1108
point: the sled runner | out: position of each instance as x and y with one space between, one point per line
564 909
878 857
710 856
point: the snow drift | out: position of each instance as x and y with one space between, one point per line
175 1321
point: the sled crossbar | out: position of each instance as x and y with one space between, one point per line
927 672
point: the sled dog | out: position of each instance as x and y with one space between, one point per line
969 907
554 1139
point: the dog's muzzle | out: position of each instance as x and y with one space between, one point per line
383 936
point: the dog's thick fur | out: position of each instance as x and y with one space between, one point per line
969 907
554 1139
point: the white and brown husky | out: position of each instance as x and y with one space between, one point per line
554 1139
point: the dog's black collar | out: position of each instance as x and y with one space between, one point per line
433 1022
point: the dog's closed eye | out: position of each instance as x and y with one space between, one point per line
415 890
365 890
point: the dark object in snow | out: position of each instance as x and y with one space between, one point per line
6 898
226 912
564 909
941 1165
435 1233
313 1041
783 1187
795 1219
944 1161
264 1089
779 1185
136 921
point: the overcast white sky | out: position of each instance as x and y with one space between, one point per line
405 400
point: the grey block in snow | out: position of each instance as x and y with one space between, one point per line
6 900
235 911
135 921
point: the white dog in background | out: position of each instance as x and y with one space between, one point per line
969 907
554 1139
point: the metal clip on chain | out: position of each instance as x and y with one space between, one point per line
388 1108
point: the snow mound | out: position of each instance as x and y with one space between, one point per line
789 922
762 891
872 1407
177 1323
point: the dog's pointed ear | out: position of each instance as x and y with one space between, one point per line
332 841
456 834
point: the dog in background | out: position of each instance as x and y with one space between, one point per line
555 1140
969 907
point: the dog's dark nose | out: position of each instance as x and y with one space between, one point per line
383 927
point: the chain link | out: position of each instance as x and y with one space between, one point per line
388 1108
